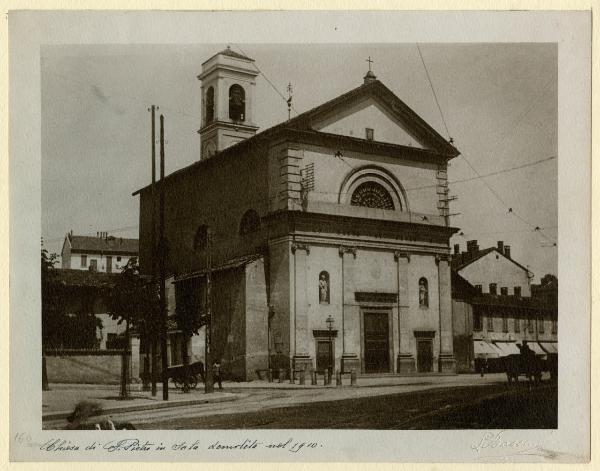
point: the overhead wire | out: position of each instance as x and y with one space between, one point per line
490 188
268 80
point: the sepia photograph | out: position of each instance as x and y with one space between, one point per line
269 235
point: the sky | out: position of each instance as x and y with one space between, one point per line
499 104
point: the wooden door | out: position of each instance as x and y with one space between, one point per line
323 355
376 342
108 264
424 356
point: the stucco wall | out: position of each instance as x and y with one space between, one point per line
117 265
499 333
280 265
372 271
216 193
256 318
331 172
495 268
228 342
368 113
88 369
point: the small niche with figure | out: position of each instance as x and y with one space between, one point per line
324 287
423 293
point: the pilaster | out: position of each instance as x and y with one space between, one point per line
405 360
350 359
447 363
301 358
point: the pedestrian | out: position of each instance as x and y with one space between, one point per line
217 373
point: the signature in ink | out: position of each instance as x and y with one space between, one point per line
496 440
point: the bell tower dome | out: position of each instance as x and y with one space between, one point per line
228 80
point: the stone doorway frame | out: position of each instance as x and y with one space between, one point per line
389 312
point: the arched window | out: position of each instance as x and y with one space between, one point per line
201 238
210 105
372 195
423 293
324 287
250 222
237 103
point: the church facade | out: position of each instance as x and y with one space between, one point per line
326 236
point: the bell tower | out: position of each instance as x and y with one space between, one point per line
228 80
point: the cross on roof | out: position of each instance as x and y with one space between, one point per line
370 62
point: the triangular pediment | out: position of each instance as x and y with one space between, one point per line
374 106
354 119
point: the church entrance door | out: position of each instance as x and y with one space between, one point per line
323 355
424 356
376 343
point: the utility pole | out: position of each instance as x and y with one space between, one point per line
162 250
154 255
152 323
208 383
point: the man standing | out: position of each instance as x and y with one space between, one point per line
217 373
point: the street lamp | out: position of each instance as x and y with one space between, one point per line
330 322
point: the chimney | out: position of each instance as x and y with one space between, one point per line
507 251
472 247
501 246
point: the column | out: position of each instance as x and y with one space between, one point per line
447 363
405 360
302 359
350 358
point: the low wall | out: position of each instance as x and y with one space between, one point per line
84 366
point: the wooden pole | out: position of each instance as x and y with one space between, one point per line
161 229
152 338
208 383
125 364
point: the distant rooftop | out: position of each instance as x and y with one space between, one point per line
103 244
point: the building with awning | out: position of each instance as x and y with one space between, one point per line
484 350
485 323
550 347
537 349
507 348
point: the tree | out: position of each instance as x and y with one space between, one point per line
549 280
188 314
134 301
52 312
51 309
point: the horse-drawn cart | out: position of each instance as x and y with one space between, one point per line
531 366
195 372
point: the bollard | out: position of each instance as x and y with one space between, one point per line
352 377
281 375
270 375
303 377
313 377
325 377
338 379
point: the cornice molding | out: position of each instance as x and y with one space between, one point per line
304 247
399 254
344 249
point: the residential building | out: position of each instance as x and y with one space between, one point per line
490 326
492 270
103 253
